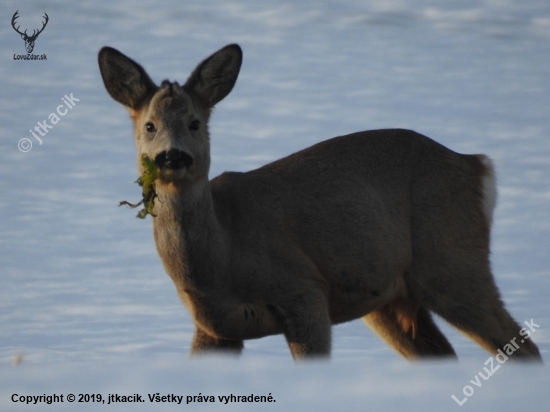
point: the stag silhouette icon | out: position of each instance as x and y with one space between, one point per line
29 40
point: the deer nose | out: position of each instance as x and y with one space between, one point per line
173 159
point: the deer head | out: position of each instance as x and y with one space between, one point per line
29 40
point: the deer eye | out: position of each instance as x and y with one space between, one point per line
150 127
194 125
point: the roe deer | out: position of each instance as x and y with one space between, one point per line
386 225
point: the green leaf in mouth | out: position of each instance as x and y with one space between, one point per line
147 183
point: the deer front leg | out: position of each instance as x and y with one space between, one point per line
204 343
307 326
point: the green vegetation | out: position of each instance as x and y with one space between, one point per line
147 183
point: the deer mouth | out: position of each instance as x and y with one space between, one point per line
173 164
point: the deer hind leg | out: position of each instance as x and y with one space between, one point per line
450 272
204 343
493 330
467 297
413 334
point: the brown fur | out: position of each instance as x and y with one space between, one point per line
384 225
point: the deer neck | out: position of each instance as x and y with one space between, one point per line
188 236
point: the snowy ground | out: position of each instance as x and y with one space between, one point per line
84 302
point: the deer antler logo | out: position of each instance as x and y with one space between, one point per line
29 40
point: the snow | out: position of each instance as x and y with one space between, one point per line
85 305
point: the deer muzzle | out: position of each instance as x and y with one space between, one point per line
173 159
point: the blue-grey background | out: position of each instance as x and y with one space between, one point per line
85 305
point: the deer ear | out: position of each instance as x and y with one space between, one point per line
125 80
215 77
